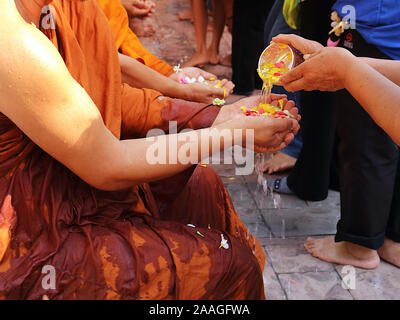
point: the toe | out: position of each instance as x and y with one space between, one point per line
309 250
309 240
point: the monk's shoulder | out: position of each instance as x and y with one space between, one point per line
27 57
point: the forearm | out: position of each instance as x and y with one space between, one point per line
152 159
138 75
388 68
379 96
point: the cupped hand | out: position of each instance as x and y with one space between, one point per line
270 134
324 70
199 92
137 8
193 72
152 7
232 111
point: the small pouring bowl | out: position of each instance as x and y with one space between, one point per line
278 57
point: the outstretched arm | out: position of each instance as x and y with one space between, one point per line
379 96
39 95
139 75
388 68
331 69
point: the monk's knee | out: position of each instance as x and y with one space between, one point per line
246 267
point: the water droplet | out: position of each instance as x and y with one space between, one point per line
289 287
256 230
277 200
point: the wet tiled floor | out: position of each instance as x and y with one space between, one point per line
291 273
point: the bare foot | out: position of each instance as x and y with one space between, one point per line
226 61
187 15
343 252
390 252
198 60
140 28
213 56
279 162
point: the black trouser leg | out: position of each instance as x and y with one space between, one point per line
369 160
309 178
393 225
248 43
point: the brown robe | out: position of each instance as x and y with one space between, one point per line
128 244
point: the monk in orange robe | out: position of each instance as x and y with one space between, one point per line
60 209
167 82
126 40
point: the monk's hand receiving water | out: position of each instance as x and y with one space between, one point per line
325 70
270 134
231 111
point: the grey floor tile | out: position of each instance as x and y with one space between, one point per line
333 200
314 286
249 215
224 170
272 287
289 255
382 283
301 221
259 229
232 181
240 195
267 200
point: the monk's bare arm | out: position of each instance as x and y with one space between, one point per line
138 75
141 76
39 95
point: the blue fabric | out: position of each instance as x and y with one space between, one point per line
276 24
378 21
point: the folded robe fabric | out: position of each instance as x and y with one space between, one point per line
127 41
127 244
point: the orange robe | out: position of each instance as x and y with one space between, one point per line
121 244
126 40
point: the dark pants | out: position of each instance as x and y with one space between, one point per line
314 171
369 171
248 43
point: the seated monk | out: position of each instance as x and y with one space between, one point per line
152 72
74 192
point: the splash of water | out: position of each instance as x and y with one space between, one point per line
266 91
